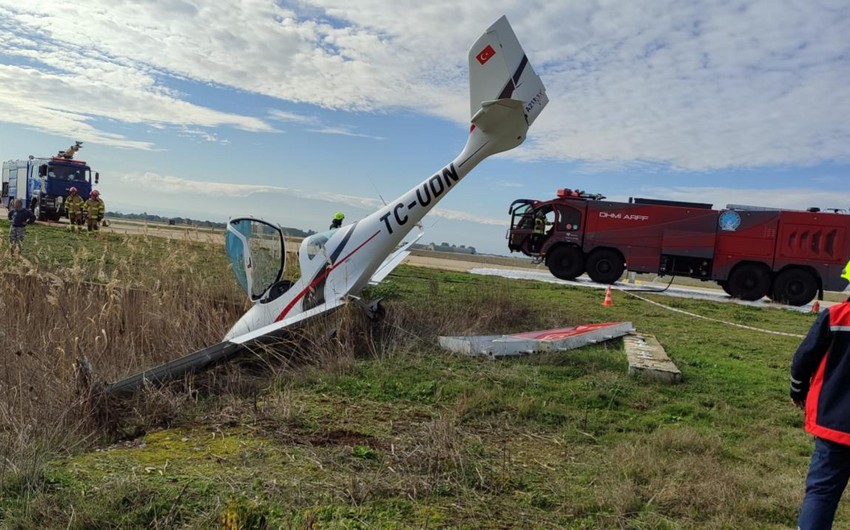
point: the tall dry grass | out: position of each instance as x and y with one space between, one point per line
121 318
118 318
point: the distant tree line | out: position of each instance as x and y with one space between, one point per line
185 221
294 232
446 247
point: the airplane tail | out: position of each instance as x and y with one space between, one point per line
499 70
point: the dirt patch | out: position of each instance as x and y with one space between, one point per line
343 438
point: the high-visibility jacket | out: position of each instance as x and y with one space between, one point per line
820 373
539 225
95 208
74 204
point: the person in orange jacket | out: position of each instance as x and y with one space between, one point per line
820 373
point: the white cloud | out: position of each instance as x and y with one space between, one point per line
292 117
689 85
152 183
343 131
314 124
787 198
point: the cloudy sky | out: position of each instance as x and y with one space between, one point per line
293 109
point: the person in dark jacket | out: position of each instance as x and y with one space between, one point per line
20 218
820 385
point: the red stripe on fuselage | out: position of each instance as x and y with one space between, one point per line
319 278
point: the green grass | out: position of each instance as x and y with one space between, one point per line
380 428
135 260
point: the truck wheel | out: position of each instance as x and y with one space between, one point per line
725 286
795 287
605 266
566 263
749 282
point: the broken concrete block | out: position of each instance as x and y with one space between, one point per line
646 356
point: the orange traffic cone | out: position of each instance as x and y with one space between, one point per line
816 307
607 300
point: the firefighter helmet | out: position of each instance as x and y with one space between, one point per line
339 216
95 193
72 190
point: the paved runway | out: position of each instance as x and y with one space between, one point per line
715 295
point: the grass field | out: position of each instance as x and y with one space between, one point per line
375 426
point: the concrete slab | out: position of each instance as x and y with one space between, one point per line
646 356
561 339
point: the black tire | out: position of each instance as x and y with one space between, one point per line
725 286
379 313
565 263
795 287
605 266
749 282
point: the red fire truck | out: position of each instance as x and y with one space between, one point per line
751 252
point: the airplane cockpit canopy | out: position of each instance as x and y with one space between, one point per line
313 246
257 254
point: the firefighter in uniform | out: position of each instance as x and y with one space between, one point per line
819 375
74 205
95 209
336 222
538 231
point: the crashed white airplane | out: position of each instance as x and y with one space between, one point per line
506 96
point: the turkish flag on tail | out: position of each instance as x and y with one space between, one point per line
485 54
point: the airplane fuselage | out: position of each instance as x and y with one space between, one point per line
506 96
343 265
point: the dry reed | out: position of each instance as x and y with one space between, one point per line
56 316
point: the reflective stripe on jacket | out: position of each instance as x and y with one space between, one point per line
95 207
539 225
74 204
820 372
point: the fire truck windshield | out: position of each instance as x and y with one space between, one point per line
74 173
522 216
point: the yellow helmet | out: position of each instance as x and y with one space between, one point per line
846 273
339 216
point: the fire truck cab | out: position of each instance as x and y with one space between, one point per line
43 184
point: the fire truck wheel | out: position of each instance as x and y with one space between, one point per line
605 266
566 263
749 282
794 287
725 286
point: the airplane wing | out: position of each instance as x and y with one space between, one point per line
257 255
224 351
281 326
393 260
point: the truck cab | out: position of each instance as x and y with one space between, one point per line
43 184
56 176
537 226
